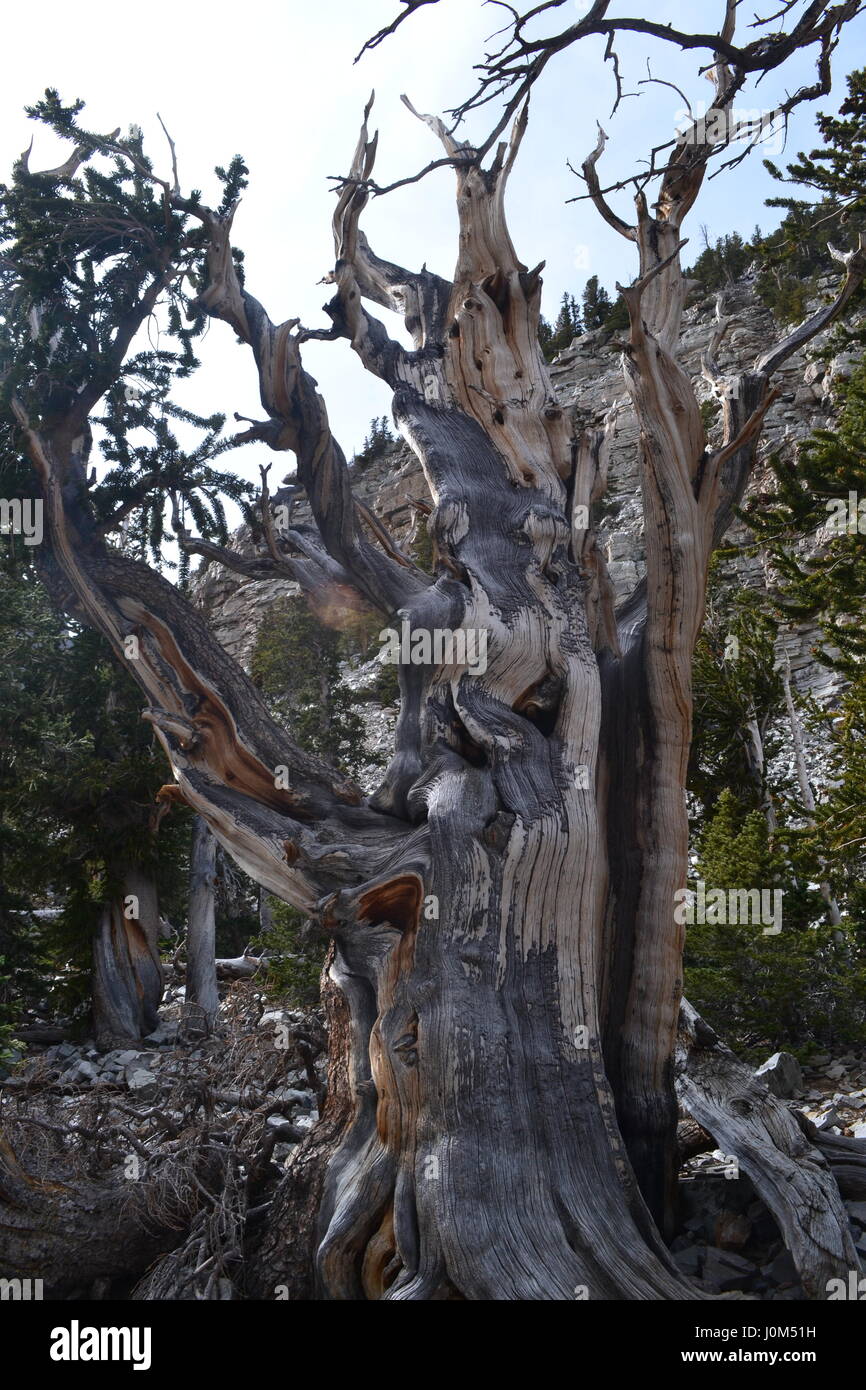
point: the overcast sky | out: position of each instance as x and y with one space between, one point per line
276 82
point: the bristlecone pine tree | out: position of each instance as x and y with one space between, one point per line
504 977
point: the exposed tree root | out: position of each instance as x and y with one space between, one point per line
791 1175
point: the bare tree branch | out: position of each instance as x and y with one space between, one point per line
511 73
420 297
411 7
298 420
592 182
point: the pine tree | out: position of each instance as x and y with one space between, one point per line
737 695
818 500
797 254
796 988
72 305
79 773
545 336
379 439
822 494
837 172
297 665
840 826
567 327
725 261
597 304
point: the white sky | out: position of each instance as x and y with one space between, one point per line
275 82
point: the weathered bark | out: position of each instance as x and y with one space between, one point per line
504 979
238 967
127 975
846 1157
481 1104
201 974
648 680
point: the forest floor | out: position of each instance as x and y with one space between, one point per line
206 1128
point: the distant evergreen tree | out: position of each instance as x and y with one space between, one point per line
79 773
568 326
597 304
818 495
379 439
737 696
598 312
296 664
800 987
821 489
725 261
617 320
839 834
796 255
736 851
568 323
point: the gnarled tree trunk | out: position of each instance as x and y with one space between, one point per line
505 970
